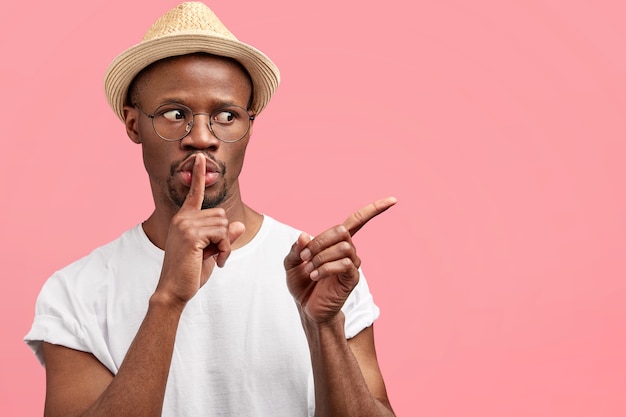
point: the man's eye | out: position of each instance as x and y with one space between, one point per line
224 117
174 115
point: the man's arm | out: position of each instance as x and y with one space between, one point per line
321 274
347 378
77 384
362 346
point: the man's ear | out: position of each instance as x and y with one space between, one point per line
131 121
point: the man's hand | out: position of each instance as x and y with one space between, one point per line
197 240
322 272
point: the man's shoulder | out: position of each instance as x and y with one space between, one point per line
105 256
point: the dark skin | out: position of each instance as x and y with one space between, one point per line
321 272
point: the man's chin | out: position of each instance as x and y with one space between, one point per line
209 201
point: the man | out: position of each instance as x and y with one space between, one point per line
147 325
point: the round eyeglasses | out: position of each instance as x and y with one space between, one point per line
173 121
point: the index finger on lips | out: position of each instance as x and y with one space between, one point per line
359 218
195 196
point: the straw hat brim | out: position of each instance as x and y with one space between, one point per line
121 72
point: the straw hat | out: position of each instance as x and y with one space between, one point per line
189 27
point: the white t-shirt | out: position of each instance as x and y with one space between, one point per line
240 348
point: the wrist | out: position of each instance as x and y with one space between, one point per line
162 300
322 329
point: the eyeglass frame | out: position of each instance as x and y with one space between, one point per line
191 123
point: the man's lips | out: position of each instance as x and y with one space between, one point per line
185 172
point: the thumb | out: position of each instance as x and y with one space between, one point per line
235 230
293 258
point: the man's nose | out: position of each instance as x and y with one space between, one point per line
200 136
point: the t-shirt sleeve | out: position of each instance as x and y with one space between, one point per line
359 309
66 314
55 319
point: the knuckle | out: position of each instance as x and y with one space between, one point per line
189 233
342 231
222 230
177 219
180 222
358 217
318 260
347 263
317 244
345 247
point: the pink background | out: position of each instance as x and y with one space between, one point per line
499 125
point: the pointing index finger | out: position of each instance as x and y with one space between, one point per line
359 218
195 196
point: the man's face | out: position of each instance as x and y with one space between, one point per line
203 83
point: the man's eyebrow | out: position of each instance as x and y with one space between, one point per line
215 103
168 100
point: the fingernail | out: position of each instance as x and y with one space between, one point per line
314 275
308 268
305 255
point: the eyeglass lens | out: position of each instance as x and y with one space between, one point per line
174 121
